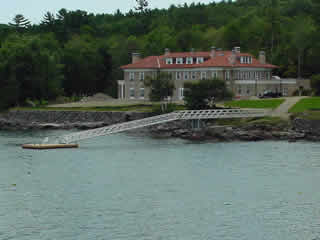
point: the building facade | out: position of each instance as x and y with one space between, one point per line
244 75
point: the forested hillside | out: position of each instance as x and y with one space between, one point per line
75 52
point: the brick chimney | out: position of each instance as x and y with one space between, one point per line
262 57
167 51
237 49
136 57
213 52
233 57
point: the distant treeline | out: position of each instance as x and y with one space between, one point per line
74 52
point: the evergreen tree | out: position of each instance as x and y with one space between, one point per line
20 22
48 19
141 5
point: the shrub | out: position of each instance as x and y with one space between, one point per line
203 94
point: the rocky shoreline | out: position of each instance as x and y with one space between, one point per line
291 130
296 130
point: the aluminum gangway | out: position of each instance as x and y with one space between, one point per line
177 115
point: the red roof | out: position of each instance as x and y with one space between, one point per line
222 59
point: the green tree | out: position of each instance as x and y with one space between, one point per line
202 94
87 67
20 22
141 5
30 68
161 86
302 38
315 84
48 19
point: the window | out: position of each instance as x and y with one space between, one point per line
181 93
185 75
227 75
131 76
268 75
200 60
285 91
132 93
179 60
189 60
141 76
169 61
261 75
203 75
178 75
257 75
246 59
239 91
214 74
142 93
193 75
238 75
251 75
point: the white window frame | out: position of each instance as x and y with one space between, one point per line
268 76
141 76
203 75
169 61
185 75
181 93
179 60
132 96
227 74
193 75
131 76
200 60
189 60
178 75
214 74
141 96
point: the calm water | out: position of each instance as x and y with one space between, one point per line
129 187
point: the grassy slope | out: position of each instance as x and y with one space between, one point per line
306 104
265 103
308 108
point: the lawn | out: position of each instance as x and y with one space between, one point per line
306 104
265 103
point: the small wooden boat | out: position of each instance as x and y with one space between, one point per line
48 146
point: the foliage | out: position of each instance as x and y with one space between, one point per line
170 107
202 94
20 22
141 5
265 103
288 31
161 86
306 104
29 68
315 84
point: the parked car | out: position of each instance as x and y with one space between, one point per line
270 94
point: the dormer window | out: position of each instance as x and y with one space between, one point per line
189 60
246 59
179 60
200 60
169 61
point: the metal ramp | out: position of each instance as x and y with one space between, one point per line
178 115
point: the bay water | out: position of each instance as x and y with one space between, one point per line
135 187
